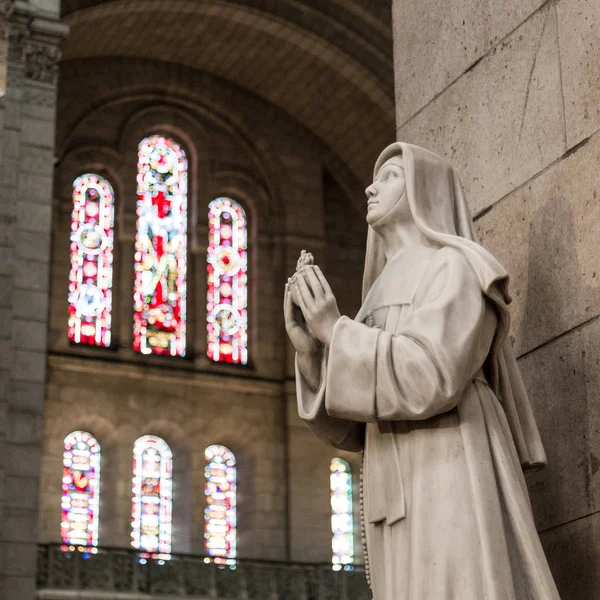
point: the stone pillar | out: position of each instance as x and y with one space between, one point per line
5 268
6 7
508 93
27 130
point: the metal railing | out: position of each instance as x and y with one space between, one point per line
126 574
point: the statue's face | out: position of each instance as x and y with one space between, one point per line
386 190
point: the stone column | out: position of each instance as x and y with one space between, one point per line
5 266
508 93
25 207
6 7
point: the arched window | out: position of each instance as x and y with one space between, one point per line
227 298
160 248
342 543
219 515
80 490
152 496
90 279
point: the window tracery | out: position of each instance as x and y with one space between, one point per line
160 248
227 297
152 496
80 490
90 278
220 513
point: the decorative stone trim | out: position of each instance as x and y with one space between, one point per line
33 40
6 8
41 61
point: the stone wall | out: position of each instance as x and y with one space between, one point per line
289 183
27 142
509 93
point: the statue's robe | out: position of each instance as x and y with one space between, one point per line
446 510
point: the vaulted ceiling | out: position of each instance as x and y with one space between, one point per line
327 63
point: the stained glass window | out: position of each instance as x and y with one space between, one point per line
160 248
227 301
342 543
80 490
90 279
152 496
220 512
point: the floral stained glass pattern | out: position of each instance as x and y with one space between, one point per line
90 279
80 490
160 248
342 543
227 299
152 496
220 512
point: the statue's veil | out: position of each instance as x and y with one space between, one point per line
440 211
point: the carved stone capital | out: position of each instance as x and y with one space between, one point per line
33 42
41 61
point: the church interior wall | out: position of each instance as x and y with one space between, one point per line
288 182
27 135
120 404
506 91
510 97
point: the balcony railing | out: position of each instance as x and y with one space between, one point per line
125 574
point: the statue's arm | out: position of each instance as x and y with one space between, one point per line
340 433
421 370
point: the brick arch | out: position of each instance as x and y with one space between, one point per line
111 81
357 27
179 113
97 159
204 150
176 123
327 90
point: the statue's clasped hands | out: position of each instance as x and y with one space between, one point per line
314 297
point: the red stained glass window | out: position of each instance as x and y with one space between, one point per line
160 248
227 298
80 490
90 279
220 512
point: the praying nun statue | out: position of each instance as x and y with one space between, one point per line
425 383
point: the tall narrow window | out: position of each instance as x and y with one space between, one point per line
220 512
152 496
227 301
342 543
90 279
160 248
80 490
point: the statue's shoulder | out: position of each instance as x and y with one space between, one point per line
451 258
447 267
423 276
